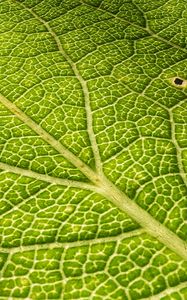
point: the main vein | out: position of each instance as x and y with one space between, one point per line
152 226
84 87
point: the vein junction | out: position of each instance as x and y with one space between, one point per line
107 189
84 87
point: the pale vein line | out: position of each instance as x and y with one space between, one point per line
178 150
151 33
89 173
67 245
47 178
142 217
85 90
167 292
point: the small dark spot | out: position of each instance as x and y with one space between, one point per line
178 81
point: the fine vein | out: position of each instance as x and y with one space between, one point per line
146 29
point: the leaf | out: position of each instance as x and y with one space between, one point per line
93 149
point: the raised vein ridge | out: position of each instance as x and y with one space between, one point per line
83 84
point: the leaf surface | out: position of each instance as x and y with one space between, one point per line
93 148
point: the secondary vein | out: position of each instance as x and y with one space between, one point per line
47 178
87 171
178 150
74 244
168 291
84 87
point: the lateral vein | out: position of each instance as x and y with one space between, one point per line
47 178
168 291
85 90
178 150
89 173
74 244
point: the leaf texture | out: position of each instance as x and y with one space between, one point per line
93 150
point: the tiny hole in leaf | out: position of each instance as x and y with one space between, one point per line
178 81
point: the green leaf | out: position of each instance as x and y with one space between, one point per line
93 149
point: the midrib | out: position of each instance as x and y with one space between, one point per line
143 218
107 188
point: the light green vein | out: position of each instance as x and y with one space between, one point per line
178 150
47 178
168 292
67 245
84 87
89 173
